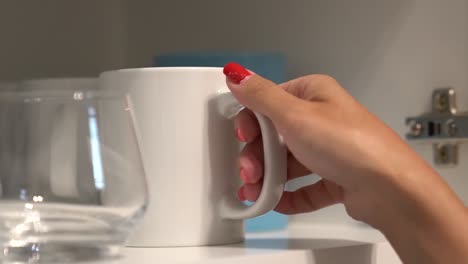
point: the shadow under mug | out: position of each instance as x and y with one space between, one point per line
184 116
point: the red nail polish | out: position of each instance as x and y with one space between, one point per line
235 72
240 194
243 175
240 136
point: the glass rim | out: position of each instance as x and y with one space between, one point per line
48 94
166 69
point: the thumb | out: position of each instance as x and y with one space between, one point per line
257 93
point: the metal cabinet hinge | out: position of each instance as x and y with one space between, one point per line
445 127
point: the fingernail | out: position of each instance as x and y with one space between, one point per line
243 175
235 72
240 136
240 194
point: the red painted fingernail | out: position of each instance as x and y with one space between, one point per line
235 72
243 175
240 136
240 194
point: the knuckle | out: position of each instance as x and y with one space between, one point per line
323 86
321 79
258 87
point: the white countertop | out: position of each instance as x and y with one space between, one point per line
324 244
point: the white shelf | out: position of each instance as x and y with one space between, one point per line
325 244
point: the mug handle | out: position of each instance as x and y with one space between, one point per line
63 178
274 169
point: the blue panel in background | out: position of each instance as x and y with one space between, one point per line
269 65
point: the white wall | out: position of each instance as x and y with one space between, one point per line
57 38
389 54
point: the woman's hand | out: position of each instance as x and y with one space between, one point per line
363 163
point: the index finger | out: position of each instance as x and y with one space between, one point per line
246 126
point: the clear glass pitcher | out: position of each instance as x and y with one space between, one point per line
72 185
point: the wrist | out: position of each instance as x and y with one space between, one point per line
422 217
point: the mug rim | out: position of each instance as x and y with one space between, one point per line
58 81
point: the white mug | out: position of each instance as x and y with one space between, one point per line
184 119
